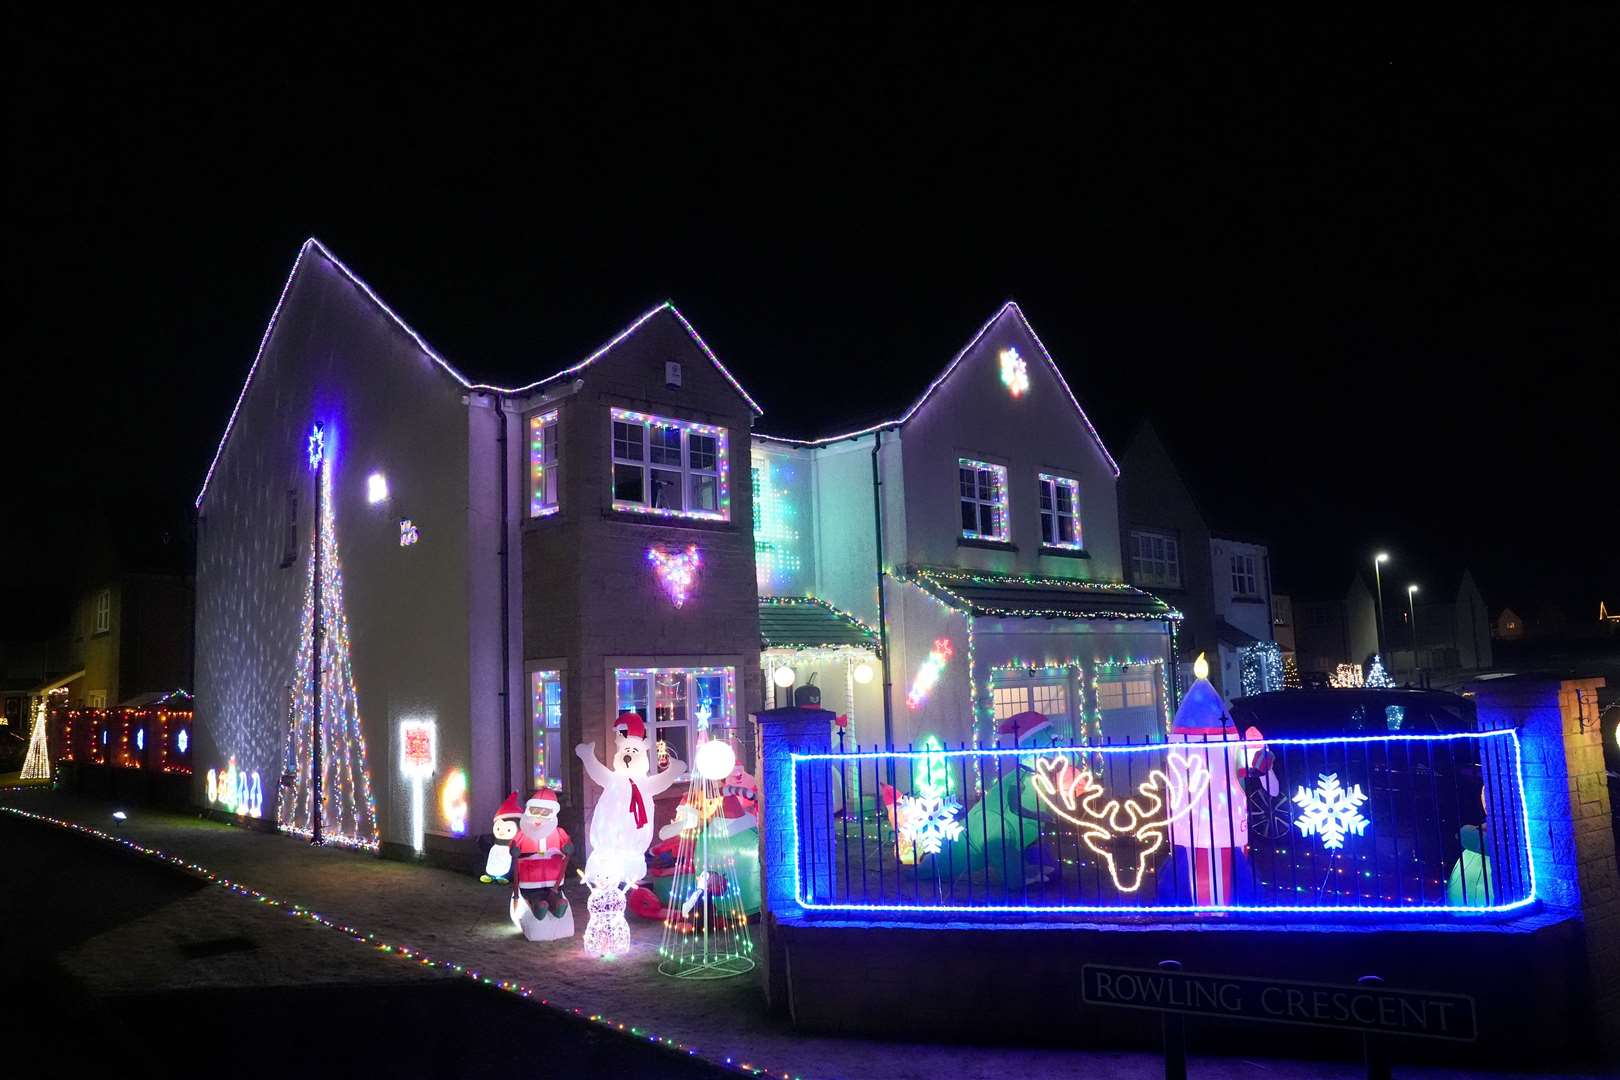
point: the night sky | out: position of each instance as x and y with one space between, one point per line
1361 275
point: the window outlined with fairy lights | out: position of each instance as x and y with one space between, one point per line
668 467
985 505
545 463
1060 512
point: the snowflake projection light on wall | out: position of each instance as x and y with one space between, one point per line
676 570
928 674
1014 372
408 533
1331 810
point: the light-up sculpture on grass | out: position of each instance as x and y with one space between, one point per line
348 809
418 756
607 934
37 765
926 819
706 921
1331 811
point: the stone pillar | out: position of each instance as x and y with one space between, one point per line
1567 799
782 733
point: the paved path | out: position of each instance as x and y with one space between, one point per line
453 918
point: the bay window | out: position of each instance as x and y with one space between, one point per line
544 477
548 762
682 706
676 468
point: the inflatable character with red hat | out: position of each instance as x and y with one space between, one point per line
622 822
541 849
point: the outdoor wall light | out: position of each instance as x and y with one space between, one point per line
376 488
784 676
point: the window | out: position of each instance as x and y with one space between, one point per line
670 467
1060 512
289 535
543 469
546 729
1155 559
1048 693
1245 582
1131 692
681 704
103 611
984 500
96 699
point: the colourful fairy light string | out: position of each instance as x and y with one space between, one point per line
403 952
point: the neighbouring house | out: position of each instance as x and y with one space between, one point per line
1453 629
485 576
994 568
499 571
1221 584
134 619
1282 622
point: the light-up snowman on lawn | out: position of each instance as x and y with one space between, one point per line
621 826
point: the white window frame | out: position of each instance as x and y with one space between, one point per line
1052 511
1245 572
720 472
1015 690
1167 559
999 501
103 622
726 721
545 463
551 752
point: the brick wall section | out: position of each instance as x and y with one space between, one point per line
1567 798
783 732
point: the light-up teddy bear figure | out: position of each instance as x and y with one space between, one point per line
607 934
622 822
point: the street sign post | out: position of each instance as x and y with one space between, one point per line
1369 1007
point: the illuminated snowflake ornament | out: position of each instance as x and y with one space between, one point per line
927 821
1331 810
1014 372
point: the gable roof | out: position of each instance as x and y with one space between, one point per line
1010 307
320 249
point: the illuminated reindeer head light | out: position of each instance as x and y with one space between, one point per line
1125 835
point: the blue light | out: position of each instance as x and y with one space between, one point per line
809 904
140 738
182 740
317 446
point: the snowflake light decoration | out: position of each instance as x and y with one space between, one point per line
1331 810
1014 372
928 820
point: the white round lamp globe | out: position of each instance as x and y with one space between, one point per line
863 673
715 760
784 676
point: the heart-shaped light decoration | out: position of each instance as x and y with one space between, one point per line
676 570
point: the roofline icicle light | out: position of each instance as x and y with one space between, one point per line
432 354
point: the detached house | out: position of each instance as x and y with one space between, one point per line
979 533
453 583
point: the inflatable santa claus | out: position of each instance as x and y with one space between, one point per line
540 852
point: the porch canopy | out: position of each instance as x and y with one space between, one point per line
1006 596
800 623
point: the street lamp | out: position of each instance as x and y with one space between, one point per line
1411 615
1378 579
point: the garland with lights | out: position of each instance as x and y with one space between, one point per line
939 581
196 870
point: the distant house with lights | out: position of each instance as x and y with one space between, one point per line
975 540
1221 584
500 571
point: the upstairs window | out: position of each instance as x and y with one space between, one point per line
543 464
1060 512
671 467
1245 581
984 500
1155 559
103 611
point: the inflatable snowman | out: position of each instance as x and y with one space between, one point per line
622 822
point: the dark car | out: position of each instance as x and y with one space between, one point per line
1421 793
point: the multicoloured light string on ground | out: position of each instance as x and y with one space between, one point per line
403 952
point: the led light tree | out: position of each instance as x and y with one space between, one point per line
706 924
330 792
37 765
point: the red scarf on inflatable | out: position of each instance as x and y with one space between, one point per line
638 808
